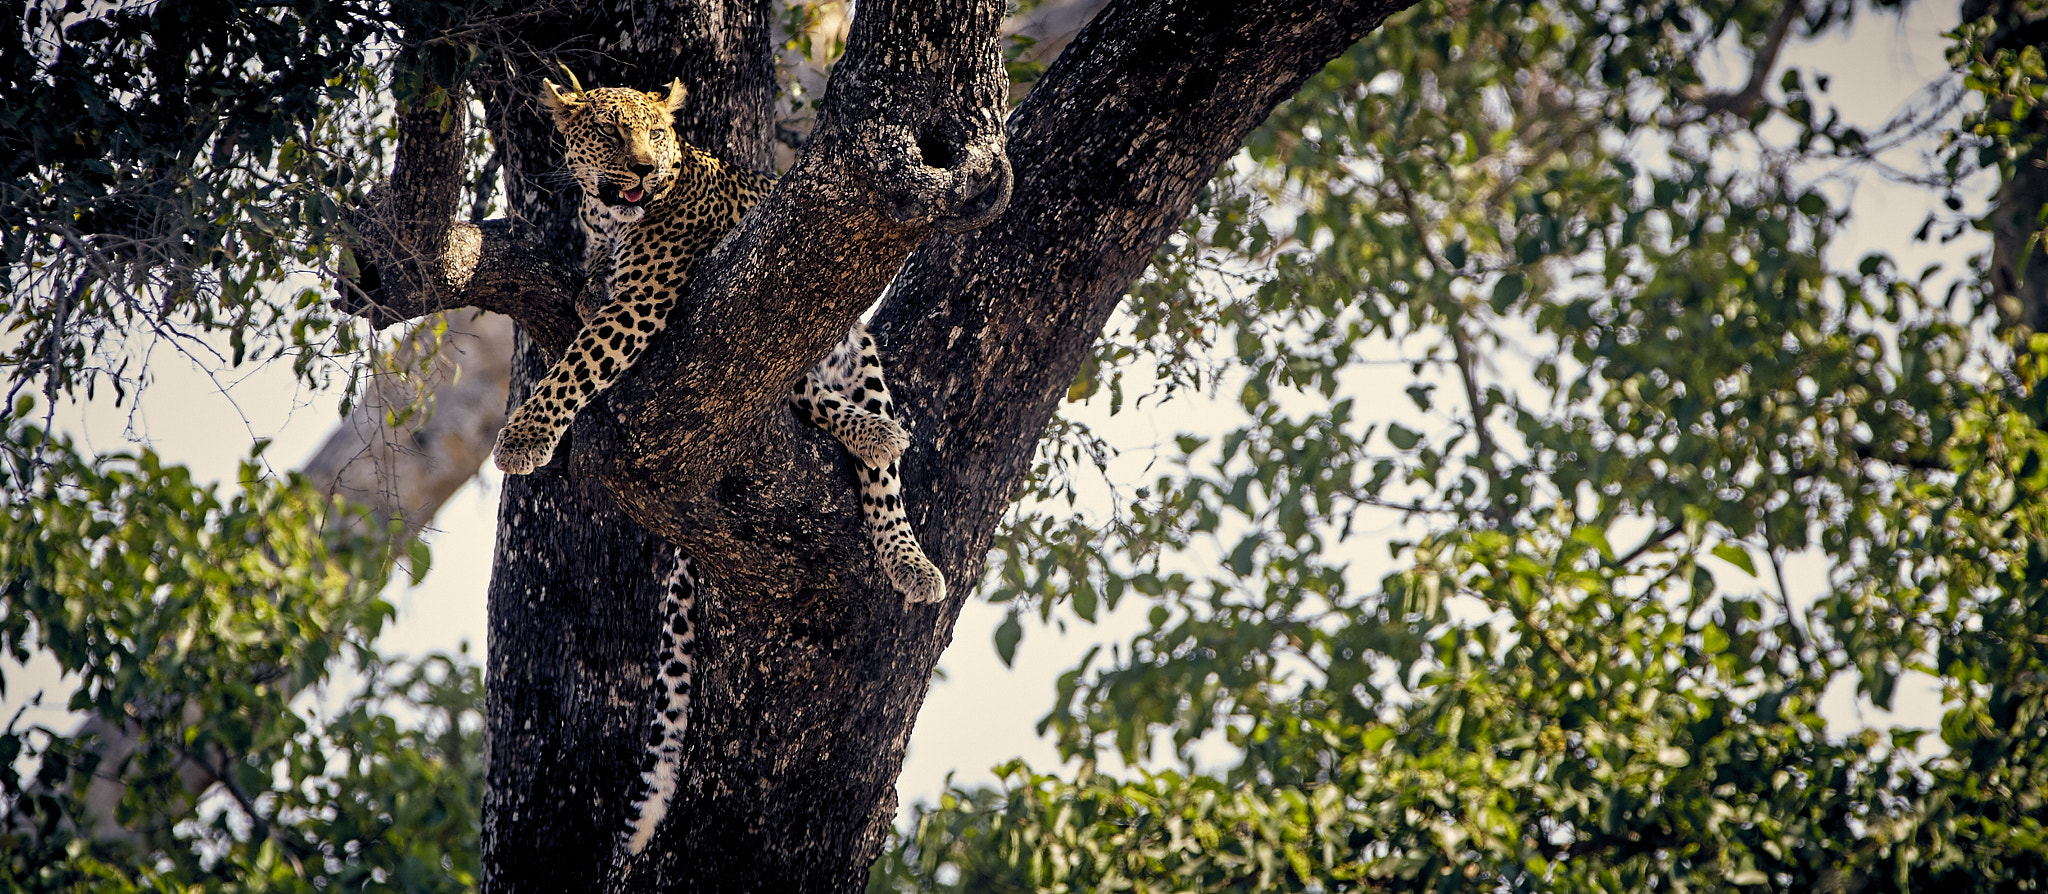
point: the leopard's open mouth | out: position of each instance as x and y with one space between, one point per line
611 194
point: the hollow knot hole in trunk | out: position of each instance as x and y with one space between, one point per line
935 149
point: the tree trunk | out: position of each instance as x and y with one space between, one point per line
810 668
2018 270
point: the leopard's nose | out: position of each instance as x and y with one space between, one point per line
642 170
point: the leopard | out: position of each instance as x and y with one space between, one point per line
651 206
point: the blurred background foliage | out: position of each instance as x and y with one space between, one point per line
1642 378
1534 287
199 622
172 177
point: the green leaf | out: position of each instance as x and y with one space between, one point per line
1242 558
1008 634
1402 437
420 558
1734 554
1506 291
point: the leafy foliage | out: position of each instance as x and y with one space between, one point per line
174 170
1639 380
1639 384
195 621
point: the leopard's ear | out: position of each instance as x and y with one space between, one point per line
676 94
563 105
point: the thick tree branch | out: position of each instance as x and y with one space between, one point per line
413 259
1742 102
910 140
408 262
986 331
480 265
528 267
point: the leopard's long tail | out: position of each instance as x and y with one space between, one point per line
661 766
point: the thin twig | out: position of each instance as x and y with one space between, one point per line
1655 539
1543 636
1468 376
1744 101
1413 507
54 349
1488 451
259 828
1799 638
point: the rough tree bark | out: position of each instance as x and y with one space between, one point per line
811 669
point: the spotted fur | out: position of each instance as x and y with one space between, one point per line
651 206
847 396
672 718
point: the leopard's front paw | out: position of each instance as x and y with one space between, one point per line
879 442
523 447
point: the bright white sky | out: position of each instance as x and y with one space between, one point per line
981 713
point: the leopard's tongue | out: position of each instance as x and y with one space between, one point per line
632 195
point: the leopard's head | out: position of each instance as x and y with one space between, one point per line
622 143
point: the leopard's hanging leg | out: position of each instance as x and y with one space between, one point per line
847 396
